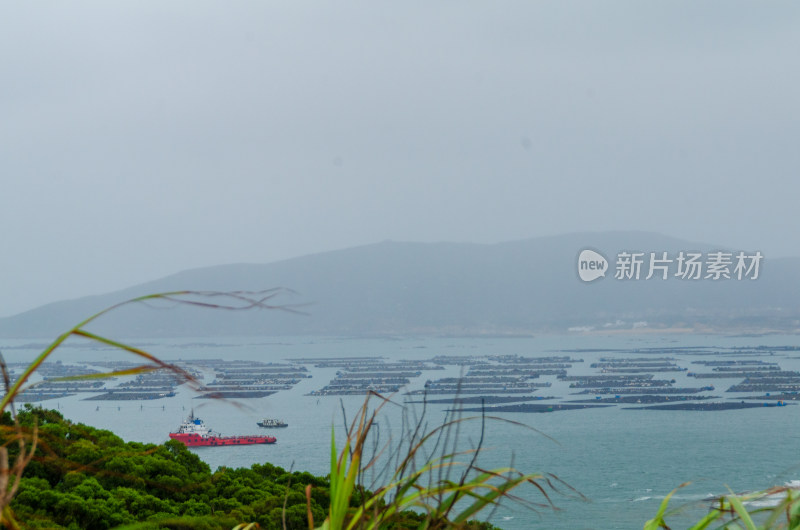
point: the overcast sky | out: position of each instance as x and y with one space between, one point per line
142 138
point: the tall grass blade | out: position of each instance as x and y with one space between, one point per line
658 522
741 511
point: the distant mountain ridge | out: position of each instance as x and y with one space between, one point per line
392 288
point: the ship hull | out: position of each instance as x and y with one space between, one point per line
196 440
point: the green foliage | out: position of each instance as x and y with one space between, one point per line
87 478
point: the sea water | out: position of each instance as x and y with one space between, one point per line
621 462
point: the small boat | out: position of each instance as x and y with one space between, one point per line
194 433
272 423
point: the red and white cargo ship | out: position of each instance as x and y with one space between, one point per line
194 433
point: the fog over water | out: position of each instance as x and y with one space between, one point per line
142 139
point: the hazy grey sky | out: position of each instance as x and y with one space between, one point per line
142 138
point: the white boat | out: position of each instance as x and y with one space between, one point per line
272 423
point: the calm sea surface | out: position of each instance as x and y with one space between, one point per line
623 461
